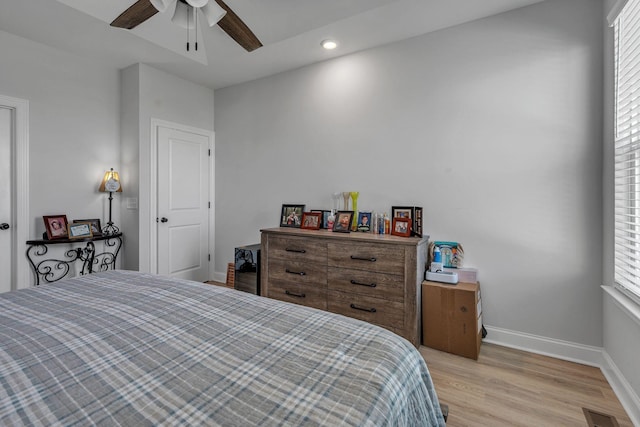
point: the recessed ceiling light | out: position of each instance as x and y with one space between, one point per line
329 44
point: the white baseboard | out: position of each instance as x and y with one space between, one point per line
623 390
220 277
579 353
565 350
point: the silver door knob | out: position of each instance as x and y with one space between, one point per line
163 219
4 226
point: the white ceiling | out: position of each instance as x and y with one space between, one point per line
291 31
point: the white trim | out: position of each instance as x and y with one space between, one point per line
615 11
219 277
153 196
565 350
150 222
626 304
621 387
212 209
21 228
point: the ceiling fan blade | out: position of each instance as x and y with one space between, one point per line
139 12
238 30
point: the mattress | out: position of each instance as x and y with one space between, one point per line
127 348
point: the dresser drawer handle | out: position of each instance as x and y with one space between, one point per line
363 258
370 310
299 273
292 294
298 251
371 285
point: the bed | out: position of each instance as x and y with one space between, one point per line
127 348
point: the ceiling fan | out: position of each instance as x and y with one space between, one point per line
142 10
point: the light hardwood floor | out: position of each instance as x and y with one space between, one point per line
510 388
507 387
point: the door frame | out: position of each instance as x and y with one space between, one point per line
153 190
20 230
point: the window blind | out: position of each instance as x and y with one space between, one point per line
627 149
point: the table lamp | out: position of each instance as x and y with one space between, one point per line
111 184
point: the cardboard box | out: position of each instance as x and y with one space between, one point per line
451 316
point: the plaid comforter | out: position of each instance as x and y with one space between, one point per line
133 349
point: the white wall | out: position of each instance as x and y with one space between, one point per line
74 128
149 93
494 127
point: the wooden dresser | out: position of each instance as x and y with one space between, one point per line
371 277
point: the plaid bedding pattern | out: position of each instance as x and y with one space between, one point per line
133 349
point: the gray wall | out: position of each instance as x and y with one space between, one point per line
494 127
73 129
621 317
149 93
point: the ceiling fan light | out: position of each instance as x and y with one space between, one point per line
213 12
197 3
162 5
181 15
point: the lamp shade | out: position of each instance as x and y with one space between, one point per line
111 182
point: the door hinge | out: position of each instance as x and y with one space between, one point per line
209 205
209 152
209 257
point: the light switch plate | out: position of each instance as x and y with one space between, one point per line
132 203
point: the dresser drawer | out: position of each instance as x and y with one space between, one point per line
374 310
378 285
297 249
338 267
297 272
309 295
364 256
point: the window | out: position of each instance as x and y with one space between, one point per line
627 149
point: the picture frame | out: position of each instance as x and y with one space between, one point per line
343 221
364 221
401 227
56 226
96 229
325 217
402 212
311 220
291 215
80 230
412 212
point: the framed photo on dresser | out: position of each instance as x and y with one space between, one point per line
311 220
401 227
291 215
414 213
343 221
325 217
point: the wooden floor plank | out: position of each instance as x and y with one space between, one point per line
508 387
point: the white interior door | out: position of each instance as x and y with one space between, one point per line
6 220
183 204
